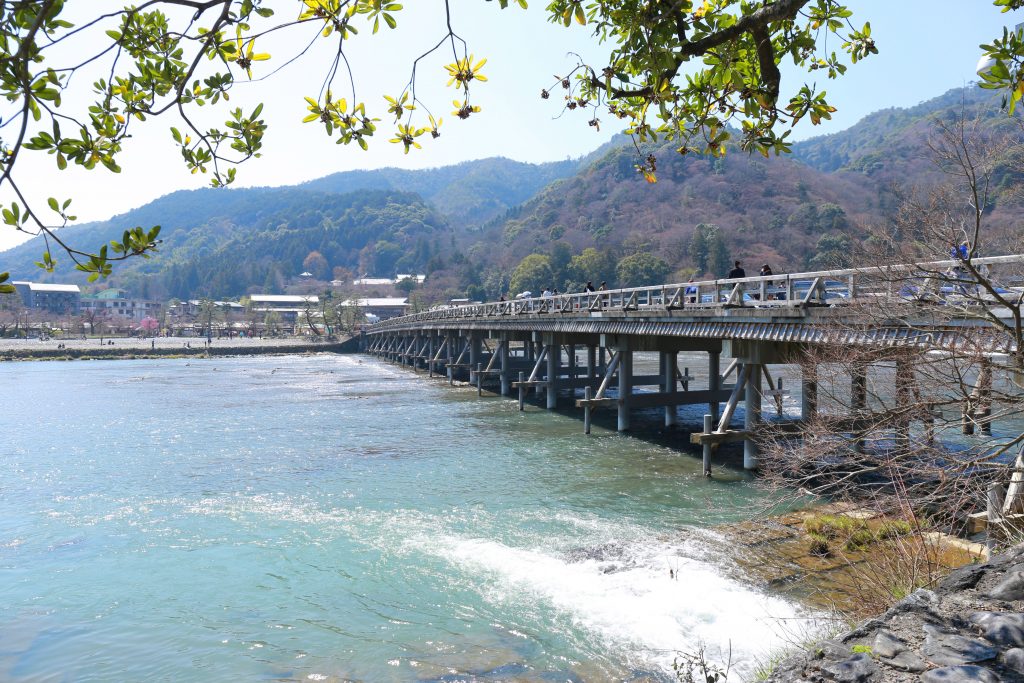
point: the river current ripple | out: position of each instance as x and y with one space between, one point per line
336 518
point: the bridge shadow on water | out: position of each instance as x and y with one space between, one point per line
648 425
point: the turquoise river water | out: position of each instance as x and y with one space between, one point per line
337 518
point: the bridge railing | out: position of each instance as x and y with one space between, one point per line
903 282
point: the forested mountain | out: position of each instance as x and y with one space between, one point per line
227 243
468 193
764 210
484 227
892 145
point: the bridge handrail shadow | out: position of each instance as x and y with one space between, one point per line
900 282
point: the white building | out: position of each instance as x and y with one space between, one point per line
288 306
373 282
387 282
381 307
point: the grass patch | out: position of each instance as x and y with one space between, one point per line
833 527
893 529
859 539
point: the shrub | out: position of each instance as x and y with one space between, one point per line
819 546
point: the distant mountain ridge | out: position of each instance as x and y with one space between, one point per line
469 225
468 193
883 134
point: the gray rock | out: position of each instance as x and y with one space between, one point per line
964 578
856 669
1010 588
920 603
950 649
893 652
907 661
1005 629
960 674
830 649
1014 660
887 645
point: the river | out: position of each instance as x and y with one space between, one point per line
337 518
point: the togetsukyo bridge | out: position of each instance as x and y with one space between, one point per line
533 343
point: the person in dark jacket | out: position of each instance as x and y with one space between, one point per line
737 271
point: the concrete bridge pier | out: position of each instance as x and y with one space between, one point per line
570 358
858 398
431 341
714 383
977 409
904 398
475 345
752 415
554 364
504 365
754 356
625 383
667 364
450 359
808 391
416 348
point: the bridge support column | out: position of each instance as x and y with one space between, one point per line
808 391
752 416
625 384
668 383
506 382
571 358
591 362
859 399
449 370
474 354
905 399
431 339
554 359
977 409
714 382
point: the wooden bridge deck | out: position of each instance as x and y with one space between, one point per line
797 307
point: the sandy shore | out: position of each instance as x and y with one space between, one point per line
114 347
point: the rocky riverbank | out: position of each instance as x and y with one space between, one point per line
969 629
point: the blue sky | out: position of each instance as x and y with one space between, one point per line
926 47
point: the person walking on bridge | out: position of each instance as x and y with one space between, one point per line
737 271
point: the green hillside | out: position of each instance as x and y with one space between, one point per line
470 226
227 243
469 193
